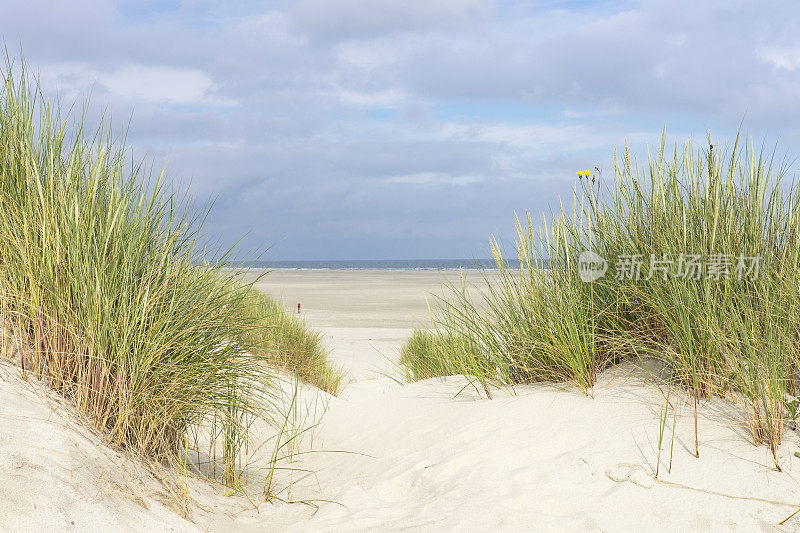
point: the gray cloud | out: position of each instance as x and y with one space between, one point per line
356 19
347 128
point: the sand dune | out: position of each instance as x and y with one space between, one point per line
58 475
544 458
433 455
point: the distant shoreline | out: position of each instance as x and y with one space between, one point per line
379 265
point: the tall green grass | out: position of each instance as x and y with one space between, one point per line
736 336
288 344
104 296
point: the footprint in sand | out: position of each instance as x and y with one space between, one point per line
632 472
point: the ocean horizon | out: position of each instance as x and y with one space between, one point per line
380 264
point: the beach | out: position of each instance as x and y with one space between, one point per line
432 455
365 315
399 266
439 455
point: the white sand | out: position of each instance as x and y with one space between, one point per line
58 476
366 315
420 456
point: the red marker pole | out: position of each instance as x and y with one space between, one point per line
298 308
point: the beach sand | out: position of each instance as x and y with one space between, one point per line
366 316
429 456
437 455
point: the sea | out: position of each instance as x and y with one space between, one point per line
382 264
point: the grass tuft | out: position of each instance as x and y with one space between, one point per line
288 344
104 296
735 335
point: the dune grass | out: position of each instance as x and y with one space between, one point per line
288 344
429 354
104 296
731 330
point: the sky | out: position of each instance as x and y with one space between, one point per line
406 129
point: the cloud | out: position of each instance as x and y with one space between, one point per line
786 59
345 128
387 98
135 83
357 19
158 84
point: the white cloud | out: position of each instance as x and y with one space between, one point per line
272 25
782 58
355 19
364 99
135 82
158 84
369 55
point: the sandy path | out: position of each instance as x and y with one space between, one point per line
366 316
546 458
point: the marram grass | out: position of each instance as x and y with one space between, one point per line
103 296
725 336
288 344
